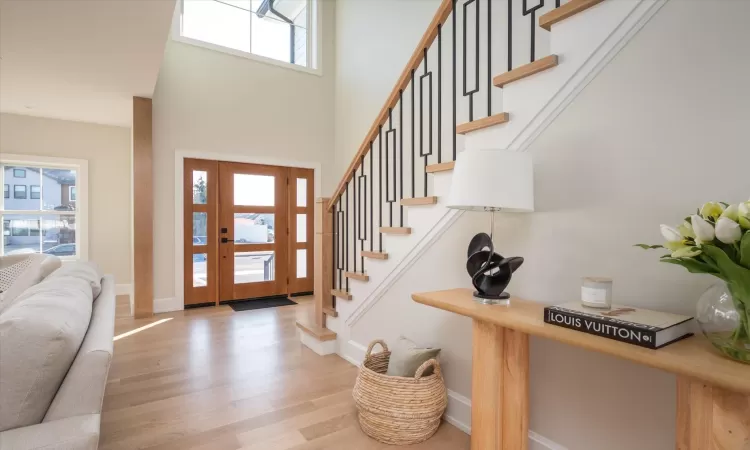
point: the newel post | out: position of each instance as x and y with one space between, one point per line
323 259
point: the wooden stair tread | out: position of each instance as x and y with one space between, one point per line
357 276
330 312
569 9
440 167
395 230
525 71
479 124
374 255
341 294
319 333
418 201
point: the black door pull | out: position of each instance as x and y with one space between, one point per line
225 240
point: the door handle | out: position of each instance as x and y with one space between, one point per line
225 240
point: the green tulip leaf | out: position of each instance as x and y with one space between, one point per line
745 250
733 273
692 265
726 205
689 219
668 255
648 247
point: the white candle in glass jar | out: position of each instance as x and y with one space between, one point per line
596 292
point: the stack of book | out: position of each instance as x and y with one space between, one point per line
643 327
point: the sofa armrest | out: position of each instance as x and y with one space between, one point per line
72 433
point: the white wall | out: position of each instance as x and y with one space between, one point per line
107 149
214 102
369 60
660 131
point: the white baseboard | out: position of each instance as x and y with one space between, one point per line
124 289
162 305
320 347
458 412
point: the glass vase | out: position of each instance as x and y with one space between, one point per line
724 318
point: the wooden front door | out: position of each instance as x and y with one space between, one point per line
253 231
248 231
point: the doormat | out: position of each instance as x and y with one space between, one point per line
249 305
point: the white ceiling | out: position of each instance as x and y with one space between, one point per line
81 60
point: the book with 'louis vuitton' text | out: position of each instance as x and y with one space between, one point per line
642 327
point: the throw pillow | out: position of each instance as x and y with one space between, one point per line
9 274
38 266
406 358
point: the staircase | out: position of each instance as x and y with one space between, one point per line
496 82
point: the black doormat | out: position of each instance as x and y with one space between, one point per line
249 305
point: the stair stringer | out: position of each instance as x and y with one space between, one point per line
585 44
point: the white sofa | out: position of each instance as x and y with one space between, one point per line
55 352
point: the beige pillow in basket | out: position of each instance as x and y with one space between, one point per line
406 358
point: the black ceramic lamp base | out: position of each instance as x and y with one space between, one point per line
490 272
485 299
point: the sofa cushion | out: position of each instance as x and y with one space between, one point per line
84 270
40 334
82 390
73 433
36 268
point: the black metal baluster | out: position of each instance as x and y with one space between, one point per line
362 221
388 175
489 57
340 238
346 235
335 217
510 35
413 148
440 93
455 75
532 12
557 3
380 187
355 219
428 76
471 93
401 154
372 215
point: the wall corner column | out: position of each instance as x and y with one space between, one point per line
143 208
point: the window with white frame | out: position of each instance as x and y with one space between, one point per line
279 30
45 213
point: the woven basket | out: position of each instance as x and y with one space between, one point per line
398 410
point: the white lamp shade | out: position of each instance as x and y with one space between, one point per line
493 180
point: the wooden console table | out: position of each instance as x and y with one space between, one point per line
713 393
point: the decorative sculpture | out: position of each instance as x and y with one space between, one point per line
490 272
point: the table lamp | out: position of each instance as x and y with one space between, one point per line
491 181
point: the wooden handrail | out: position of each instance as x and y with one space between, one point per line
445 9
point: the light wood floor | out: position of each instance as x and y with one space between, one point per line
212 378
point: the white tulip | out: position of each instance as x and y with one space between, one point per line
704 231
743 214
728 231
732 212
670 234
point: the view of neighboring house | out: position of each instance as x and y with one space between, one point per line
49 192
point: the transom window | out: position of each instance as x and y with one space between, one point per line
277 30
43 215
